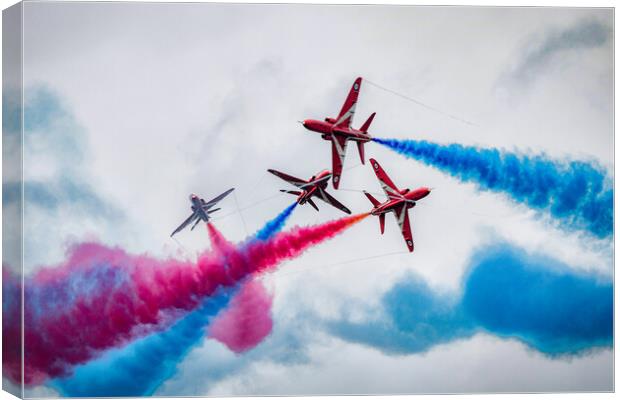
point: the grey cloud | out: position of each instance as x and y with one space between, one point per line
64 192
51 130
11 111
585 34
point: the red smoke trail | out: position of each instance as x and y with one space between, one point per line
103 297
133 296
287 245
259 256
11 324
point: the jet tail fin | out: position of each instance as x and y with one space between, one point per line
374 201
360 148
348 108
382 223
366 125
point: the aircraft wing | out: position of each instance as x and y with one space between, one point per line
326 197
339 150
388 186
290 179
214 201
402 217
184 224
345 117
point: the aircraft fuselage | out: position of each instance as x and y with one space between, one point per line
409 199
327 128
312 190
197 207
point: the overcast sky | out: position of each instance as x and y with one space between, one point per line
139 105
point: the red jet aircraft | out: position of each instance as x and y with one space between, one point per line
399 201
314 187
339 131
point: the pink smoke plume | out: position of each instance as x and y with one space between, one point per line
246 321
103 297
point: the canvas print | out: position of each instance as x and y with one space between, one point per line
205 199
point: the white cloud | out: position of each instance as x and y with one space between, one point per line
338 367
180 98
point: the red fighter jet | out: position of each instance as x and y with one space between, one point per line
339 131
399 201
314 187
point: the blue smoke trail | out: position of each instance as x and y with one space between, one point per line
577 194
140 367
275 225
533 299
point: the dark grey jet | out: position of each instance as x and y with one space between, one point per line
200 210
